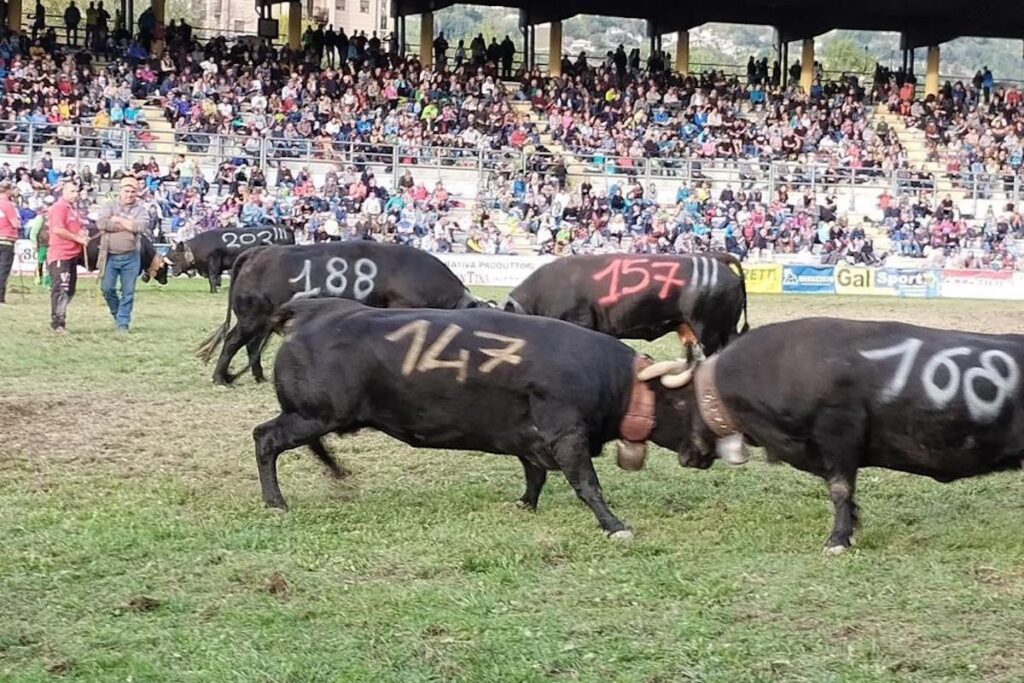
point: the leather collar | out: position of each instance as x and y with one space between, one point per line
712 410
638 422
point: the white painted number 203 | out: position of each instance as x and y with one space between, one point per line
237 240
995 367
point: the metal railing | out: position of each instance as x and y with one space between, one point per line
200 33
125 145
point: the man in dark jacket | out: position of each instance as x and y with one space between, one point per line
72 18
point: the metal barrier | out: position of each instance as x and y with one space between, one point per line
123 146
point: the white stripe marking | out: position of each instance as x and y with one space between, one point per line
714 272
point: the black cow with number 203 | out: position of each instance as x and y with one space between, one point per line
212 252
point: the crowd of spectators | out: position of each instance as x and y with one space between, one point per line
974 132
352 100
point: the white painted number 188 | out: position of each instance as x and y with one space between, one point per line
336 280
996 367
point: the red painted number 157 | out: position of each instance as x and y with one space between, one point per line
641 273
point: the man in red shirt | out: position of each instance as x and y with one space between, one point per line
67 237
10 231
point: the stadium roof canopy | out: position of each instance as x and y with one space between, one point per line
922 22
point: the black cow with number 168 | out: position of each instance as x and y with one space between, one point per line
839 395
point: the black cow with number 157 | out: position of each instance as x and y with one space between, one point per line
380 275
700 296
212 252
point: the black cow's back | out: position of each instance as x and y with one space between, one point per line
378 275
464 362
937 402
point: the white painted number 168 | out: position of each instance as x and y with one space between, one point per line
1004 375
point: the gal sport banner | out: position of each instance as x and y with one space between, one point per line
906 282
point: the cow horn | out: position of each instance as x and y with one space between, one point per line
168 262
660 368
678 379
673 373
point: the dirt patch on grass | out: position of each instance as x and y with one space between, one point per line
128 435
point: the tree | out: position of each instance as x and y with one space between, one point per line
842 54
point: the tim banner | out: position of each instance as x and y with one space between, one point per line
495 271
980 284
808 279
763 278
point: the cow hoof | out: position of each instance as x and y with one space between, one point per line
525 505
836 549
622 535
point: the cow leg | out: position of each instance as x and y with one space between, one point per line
253 348
574 458
233 342
335 470
284 432
840 490
837 440
535 478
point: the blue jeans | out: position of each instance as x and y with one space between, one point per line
125 267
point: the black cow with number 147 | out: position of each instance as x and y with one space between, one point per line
380 275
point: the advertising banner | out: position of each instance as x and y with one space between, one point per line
909 282
980 284
808 279
24 257
857 280
496 271
763 278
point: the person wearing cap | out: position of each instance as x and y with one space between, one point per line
122 223
67 236
10 229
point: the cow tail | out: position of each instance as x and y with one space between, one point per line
743 288
209 346
732 260
275 325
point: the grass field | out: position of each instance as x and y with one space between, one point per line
134 545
